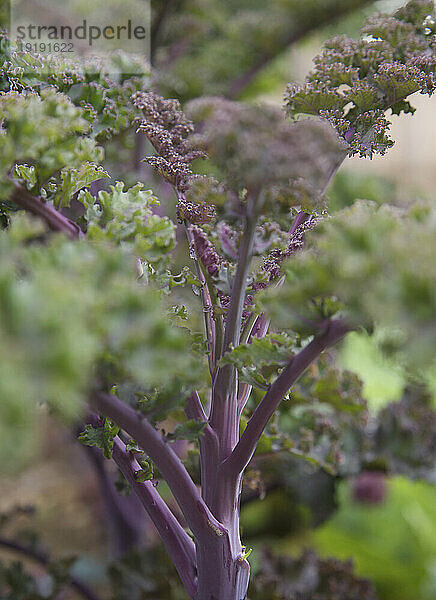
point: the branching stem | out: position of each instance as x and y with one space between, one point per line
175 539
197 514
209 449
224 410
241 455
206 301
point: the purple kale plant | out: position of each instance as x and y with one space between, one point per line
277 283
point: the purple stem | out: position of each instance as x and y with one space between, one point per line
335 167
260 327
54 219
207 302
194 408
125 515
243 395
196 512
224 410
241 455
261 324
209 449
300 218
175 539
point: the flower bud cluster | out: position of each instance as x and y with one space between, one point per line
194 212
355 82
167 128
206 251
270 270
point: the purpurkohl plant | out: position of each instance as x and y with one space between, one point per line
100 320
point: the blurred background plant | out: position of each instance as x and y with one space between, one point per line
366 507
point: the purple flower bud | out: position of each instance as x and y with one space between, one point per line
370 487
206 252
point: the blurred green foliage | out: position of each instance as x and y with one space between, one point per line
71 312
393 543
84 314
348 186
383 379
217 48
65 141
367 244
